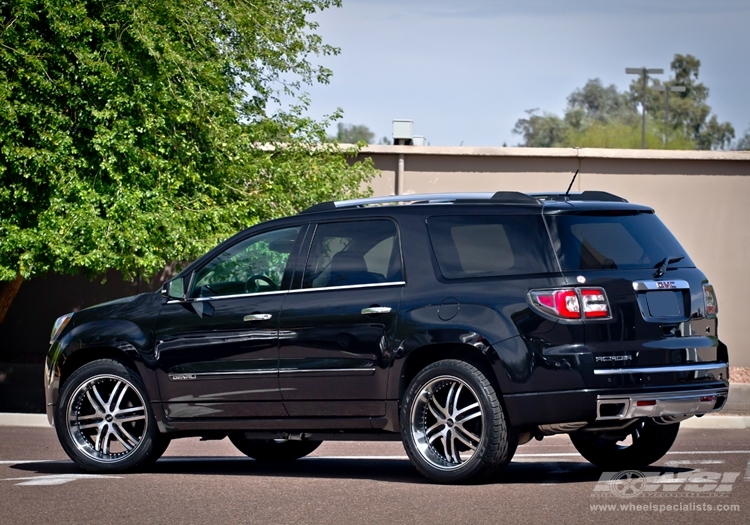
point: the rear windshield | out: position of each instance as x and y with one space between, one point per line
482 246
594 242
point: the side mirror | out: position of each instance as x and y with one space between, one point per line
174 289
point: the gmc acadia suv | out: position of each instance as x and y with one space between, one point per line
463 324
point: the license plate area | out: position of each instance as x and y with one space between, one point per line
664 303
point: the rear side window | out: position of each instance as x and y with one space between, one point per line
594 242
490 246
354 253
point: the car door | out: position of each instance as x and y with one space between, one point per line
338 326
217 350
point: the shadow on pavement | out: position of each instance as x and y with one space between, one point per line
389 470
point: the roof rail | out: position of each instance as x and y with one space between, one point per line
601 196
499 197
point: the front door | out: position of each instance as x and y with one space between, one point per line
217 351
338 327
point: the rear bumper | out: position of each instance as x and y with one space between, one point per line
590 405
630 406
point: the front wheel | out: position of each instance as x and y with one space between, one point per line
646 443
104 420
453 426
272 450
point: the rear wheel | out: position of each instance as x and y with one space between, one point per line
272 450
645 444
453 426
104 419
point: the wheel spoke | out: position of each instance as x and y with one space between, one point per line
122 420
98 403
100 436
90 425
107 440
468 434
473 415
434 429
87 417
110 401
432 405
117 413
454 457
119 399
450 399
470 441
118 432
465 409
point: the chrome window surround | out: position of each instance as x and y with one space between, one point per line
276 292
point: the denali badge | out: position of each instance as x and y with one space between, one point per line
181 377
610 358
666 284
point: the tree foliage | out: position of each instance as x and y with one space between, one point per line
353 134
601 116
135 132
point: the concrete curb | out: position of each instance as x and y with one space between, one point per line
710 421
23 420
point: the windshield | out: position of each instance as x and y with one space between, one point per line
609 242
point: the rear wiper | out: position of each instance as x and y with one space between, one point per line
661 266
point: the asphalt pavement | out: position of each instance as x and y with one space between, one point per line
704 479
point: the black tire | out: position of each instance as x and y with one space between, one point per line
450 407
650 442
272 450
104 419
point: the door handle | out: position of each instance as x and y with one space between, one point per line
374 310
257 317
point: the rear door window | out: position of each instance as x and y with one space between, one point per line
490 246
354 253
609 242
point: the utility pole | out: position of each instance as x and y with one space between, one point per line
644 72
667 89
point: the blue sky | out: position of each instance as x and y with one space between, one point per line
465 71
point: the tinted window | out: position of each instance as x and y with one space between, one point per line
254 265
352 253
481 246
592 242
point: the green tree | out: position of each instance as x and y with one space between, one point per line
133 133
744 142
601 116
689 113
353 134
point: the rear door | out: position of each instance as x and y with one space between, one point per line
655 295
338 326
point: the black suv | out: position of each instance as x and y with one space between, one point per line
463 324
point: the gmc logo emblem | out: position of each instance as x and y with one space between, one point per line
665 284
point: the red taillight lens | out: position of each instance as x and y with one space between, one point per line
594 302
709 298
566 302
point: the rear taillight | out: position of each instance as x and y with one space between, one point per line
709 298
565 303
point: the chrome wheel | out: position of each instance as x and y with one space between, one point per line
107 418
447 422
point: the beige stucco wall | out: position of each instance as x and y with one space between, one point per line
703 197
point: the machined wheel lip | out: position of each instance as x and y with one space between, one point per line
108 417
438 431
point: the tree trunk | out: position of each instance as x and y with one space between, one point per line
8 291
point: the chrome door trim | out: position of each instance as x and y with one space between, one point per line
693 367
348 287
